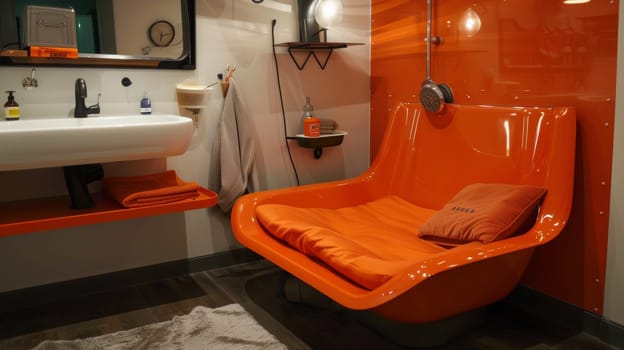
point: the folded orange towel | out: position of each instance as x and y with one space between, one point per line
153 189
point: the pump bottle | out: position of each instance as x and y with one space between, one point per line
11 108
146 104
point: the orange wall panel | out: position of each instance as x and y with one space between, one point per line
527 52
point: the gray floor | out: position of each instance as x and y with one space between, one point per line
257 287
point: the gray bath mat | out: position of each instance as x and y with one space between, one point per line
228 327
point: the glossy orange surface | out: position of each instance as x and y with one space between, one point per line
526 52
39 214
426 159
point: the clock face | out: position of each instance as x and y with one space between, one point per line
161 33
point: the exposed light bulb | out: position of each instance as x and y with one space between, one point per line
469 22
328 13
572 2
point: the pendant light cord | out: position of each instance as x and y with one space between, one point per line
279 87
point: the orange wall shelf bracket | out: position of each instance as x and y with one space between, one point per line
39 214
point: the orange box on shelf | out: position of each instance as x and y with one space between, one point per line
312 127
54 52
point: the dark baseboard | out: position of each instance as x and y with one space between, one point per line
57 292
566 316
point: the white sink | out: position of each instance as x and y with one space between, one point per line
51 142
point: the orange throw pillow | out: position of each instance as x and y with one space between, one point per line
483 212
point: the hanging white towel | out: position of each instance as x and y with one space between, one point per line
238 171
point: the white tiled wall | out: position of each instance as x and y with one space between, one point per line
228 32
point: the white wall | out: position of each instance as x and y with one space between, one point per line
614 288
228 32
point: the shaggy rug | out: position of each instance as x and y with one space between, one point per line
228 327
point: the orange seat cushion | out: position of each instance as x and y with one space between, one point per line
368 243
483 212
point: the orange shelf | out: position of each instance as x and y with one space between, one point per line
40 214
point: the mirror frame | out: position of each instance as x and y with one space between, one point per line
187 61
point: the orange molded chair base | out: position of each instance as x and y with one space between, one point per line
426 159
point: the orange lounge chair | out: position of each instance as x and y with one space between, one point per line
426 159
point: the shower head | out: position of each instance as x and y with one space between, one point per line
433 96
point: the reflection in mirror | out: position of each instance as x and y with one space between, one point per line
157 33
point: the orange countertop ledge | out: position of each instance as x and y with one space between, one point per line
31 215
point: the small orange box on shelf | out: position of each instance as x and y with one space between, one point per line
54 52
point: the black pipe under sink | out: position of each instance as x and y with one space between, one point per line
77 177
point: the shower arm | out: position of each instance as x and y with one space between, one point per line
433 96
428 39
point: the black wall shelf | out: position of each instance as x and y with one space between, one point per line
311 49
319 142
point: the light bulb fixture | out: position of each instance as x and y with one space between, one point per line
573 2
469 22
328 13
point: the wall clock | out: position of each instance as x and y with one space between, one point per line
161 33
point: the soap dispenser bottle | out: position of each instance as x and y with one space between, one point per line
146 104
311 124
11 108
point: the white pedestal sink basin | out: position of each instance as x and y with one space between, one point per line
51 142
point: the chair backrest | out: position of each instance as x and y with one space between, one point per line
427 158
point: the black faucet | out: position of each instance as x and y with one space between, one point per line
81 110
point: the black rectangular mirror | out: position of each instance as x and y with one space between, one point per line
110 33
